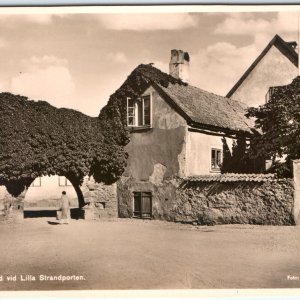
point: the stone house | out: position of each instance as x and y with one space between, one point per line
176 131
176 149
276 65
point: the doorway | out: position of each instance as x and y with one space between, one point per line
142 206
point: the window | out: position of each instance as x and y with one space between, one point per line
142 205
63 181
37 182
216 159
139 112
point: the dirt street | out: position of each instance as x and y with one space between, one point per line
137 254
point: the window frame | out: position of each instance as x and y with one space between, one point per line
66 181
36 185
135 115
215 170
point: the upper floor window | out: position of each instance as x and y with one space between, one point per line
216 159
139 112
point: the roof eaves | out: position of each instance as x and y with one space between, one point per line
225 130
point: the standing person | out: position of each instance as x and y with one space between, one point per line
65 208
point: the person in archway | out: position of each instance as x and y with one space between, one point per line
65 208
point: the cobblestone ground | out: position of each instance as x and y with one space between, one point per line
137 254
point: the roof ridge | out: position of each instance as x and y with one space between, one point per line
281 45
212 93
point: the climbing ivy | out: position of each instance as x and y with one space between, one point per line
38 139
113 116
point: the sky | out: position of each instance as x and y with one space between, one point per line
78 60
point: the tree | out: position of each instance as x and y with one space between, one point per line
38 139
239 160
278 125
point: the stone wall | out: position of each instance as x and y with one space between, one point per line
269 202
101 199
11 208
240 202
163 197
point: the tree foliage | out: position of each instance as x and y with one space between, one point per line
38 139
278 124
238 160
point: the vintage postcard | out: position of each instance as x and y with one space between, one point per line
150 148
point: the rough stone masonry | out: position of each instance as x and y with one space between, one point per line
240 201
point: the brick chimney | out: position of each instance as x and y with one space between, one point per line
179 65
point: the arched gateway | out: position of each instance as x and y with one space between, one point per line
42 197
91 200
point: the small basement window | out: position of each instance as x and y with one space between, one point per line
139 112
216 159
142 205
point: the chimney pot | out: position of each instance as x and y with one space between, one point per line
179 65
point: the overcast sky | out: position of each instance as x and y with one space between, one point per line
78 60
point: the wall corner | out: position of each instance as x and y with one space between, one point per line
296 206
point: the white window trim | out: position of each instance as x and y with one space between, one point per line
211 169
136 112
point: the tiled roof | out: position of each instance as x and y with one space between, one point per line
200 108
232 177
206 108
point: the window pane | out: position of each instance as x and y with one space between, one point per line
147 112
213 159
131 111
216 159
213 154
131 121
130 102
147 120
140 113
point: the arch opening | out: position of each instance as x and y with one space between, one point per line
42 198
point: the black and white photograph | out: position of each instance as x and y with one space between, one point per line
149 148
